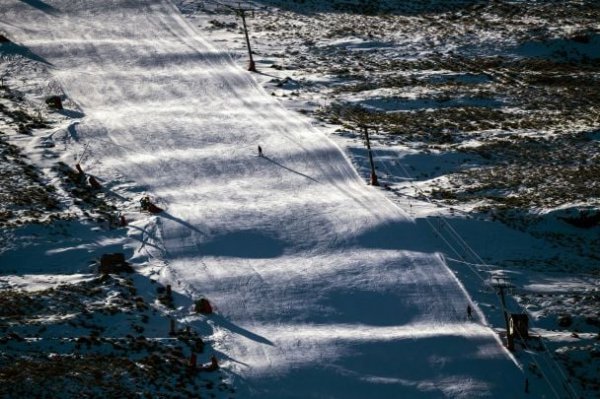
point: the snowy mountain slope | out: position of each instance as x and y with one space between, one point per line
323 287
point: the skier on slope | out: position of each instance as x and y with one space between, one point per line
469 312
260 153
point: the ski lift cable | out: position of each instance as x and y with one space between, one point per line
478 258
473 264
486 282
83 153
477 273
474 254
462 242
553 365
499 75
437 231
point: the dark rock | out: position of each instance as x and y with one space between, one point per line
114 264
54 102
203 306
564 320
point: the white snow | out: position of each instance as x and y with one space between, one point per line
323 287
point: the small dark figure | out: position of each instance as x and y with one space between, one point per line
199 345
260 154
469 312
94 183
54 102
145 203
526 385
80 175
214 363
203 306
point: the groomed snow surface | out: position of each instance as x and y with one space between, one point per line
323 287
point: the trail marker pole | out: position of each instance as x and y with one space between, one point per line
252 65
238 10
374 181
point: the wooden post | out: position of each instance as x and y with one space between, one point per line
214 363
94 183
78 167
504 311
252 65
374 181
500 285
510 341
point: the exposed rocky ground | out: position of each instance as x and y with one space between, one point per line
505 91
97 339
65 329
488 109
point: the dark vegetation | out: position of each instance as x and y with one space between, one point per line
524 90
507 89
99 338
72 341
24 196
536 118
580 358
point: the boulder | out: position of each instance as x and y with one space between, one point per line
203 306
113 264
54 102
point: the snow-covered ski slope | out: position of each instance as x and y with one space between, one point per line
323 287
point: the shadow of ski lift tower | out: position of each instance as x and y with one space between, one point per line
241 10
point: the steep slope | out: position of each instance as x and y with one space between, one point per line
323 287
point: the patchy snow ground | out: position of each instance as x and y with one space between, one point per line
497 56
323 286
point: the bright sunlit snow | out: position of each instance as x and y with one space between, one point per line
323 287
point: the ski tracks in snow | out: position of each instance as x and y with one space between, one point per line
323 287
